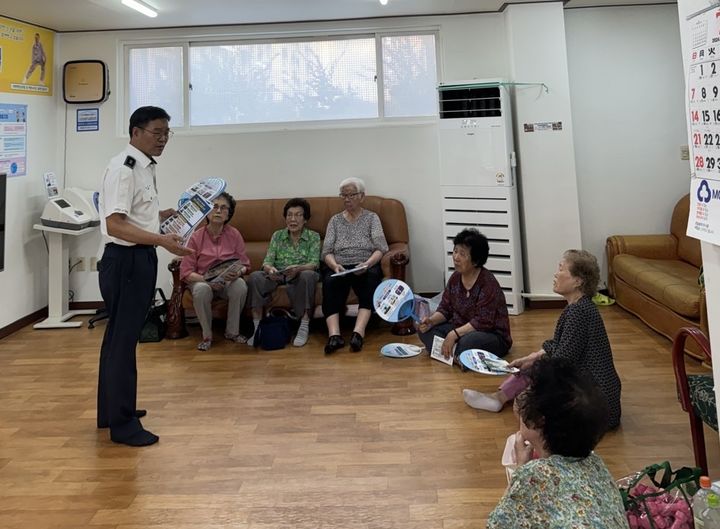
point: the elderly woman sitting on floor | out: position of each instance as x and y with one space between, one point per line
472 313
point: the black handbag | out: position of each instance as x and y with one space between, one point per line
274 330
155 322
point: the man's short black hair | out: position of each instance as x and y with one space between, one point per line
298 203
476 242
144 115
566 405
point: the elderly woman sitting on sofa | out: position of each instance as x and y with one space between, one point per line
212 244
292 259
354 239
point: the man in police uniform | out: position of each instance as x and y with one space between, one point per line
130 220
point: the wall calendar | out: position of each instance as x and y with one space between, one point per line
703 95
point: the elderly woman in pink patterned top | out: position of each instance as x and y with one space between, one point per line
213 243
473 312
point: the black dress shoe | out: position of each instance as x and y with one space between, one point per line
139 438
335 342
356 342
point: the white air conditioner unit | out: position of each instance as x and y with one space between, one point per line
477 178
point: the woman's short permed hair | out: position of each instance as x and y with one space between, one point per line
298 203
231 202
353 181
477 243
584 266
566 405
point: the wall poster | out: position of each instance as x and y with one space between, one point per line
13 139
704 117
26 58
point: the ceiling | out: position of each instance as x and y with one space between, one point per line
92 15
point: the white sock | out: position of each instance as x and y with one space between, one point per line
481 401
301 337
251 340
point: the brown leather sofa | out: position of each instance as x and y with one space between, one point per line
258 219
656 277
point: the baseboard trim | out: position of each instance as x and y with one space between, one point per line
81 305
22 322
531 304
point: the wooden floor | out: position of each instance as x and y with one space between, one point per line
291 439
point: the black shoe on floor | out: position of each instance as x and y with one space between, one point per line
356 342
138 414
335 342
140 438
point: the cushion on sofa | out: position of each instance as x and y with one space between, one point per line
688 248
672 283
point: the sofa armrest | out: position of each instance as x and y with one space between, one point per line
648 246
176 314
395 261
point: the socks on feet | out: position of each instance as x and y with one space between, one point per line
301 337
481 401
251 340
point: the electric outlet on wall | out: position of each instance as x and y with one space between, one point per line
684 152
77 264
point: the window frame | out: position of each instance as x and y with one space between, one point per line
125 48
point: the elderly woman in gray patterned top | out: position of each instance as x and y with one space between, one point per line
354 238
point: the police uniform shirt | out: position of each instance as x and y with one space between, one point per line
128 187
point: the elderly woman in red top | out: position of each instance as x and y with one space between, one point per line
473 313
213 243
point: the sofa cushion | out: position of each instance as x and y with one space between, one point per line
672 283
688 248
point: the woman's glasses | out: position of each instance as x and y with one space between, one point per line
351 196
219 207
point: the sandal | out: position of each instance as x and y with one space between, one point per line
602 300
237 338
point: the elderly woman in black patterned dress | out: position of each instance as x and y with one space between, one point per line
580 336
354 238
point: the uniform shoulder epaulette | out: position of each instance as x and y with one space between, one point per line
130 162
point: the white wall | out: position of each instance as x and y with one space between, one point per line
396 161
548 186
23 283
627 89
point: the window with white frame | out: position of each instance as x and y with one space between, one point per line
283 81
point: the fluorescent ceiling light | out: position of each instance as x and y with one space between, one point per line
141 7
383 2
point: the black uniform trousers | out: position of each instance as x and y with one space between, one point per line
336 289
127 282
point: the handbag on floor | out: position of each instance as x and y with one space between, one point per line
155 322
273 332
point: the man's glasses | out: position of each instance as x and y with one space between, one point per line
351 196
218 207
167 134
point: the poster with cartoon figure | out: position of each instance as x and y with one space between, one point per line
703 86
26 58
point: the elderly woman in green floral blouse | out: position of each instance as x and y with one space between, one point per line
292 259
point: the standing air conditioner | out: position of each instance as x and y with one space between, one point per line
477 178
